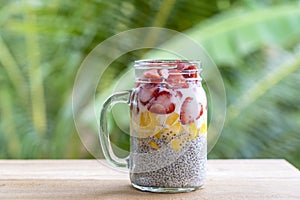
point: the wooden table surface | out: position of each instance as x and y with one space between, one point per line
91 179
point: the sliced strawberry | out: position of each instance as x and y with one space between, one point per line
180 65
147 92
164 73
200 111
190 111
192 73
162 103
175 78
152 73
190 67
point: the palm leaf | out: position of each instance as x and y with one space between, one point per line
234 34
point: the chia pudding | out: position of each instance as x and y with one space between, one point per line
168 127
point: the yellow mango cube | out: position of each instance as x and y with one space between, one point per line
154 145
203 129
193 130
175 144
172 118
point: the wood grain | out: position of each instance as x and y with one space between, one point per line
91 179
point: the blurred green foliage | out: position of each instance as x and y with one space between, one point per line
255 44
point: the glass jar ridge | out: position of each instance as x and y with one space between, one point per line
190 70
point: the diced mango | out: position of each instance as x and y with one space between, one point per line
173 131
175 144
145 119
176 128
203 128
193 131
146 125
154 145
148 120
157 135
172 118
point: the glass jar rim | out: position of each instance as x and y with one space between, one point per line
167 70
166 63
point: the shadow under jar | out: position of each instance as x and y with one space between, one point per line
168 126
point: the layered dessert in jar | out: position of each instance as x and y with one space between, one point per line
168 126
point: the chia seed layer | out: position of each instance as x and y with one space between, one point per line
167 168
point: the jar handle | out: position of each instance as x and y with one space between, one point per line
118 97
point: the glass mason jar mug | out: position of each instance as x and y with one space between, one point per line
168 126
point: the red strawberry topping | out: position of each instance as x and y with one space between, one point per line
164 73
192 74
180 64
191 67
152 73
147 92
162 103
200 111
176 79
190 111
